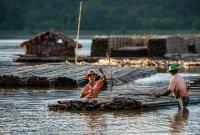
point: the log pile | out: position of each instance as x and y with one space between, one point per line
194 86
128 101
117 103
9 80
32 58
99 47
130 52
37 81
61 81
148 45
60 74
157 47
119 46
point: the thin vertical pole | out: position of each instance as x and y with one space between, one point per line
78 31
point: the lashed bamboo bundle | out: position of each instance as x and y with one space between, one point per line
119 103
128 101
63 74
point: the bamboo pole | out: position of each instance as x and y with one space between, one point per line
78 32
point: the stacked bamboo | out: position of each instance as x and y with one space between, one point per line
131 46
117 103
194 86
99 47
129 101
157 47
119 46
62 74
176 45
9 80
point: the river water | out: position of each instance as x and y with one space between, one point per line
24 110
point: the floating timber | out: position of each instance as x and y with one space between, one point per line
60 74
48 59
118 103
130 101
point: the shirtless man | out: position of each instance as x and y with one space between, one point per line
178 87
92 89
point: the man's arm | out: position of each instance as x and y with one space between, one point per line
83 92
82 95
166 93
171 88
102 74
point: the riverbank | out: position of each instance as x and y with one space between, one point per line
85 34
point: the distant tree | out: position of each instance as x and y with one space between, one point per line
100 15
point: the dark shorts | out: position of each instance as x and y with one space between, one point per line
186 100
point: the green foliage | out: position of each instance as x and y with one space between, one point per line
100 15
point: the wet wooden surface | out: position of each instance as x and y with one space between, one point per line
128 101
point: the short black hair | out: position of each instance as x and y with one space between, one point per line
174 71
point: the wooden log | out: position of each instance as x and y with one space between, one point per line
9 80
118 103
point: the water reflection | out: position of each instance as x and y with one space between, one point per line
21 109
95 122
101 122
179 121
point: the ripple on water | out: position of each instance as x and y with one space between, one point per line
25 112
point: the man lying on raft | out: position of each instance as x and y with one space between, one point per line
92 89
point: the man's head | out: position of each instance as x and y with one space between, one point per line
173 69
91 76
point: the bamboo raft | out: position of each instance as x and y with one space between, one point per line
48 59
61 74
130 101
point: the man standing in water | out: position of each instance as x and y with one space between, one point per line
178 87
92 89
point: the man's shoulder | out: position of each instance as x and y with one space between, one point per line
179 76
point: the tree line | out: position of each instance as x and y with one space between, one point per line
99 15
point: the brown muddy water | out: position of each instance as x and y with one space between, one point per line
24 110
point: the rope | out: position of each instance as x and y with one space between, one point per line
108 54
78 32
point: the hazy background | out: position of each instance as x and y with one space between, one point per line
28 17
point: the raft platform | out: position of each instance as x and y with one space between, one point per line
62 74
48 59
131 101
